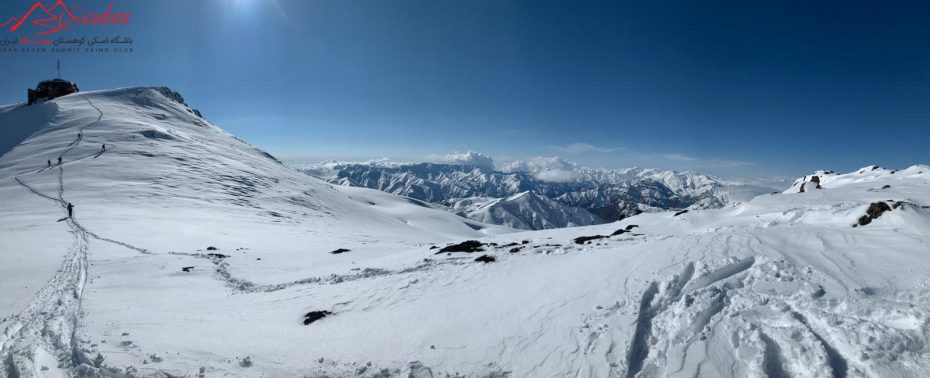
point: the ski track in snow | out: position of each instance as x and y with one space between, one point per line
239 285
772 362
49 323
697 315
695 307
48 326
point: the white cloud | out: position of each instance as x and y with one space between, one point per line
705 163
540 163
728 164
471 158
678 157
554 169
555 175
580 148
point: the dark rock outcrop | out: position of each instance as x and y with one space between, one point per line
588 239
486 259
313 316
619 232
875 210
468 246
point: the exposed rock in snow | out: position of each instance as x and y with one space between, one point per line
873 173
468 246
876 209
313 316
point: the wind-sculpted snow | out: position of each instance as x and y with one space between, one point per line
199 255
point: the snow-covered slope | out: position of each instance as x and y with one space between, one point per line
609 194
782 285
871 174
168 182
526 211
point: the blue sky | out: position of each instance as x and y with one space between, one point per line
737 88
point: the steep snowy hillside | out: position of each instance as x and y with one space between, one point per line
168 185
526 211
609 194
191 253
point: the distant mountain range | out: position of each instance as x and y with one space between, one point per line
540 196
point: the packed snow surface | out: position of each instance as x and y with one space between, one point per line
191 253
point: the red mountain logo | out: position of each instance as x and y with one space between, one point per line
59 17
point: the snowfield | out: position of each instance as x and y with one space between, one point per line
191 253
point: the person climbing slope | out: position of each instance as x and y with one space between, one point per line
70 209
49 163
59 160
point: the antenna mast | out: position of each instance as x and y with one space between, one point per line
59 69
